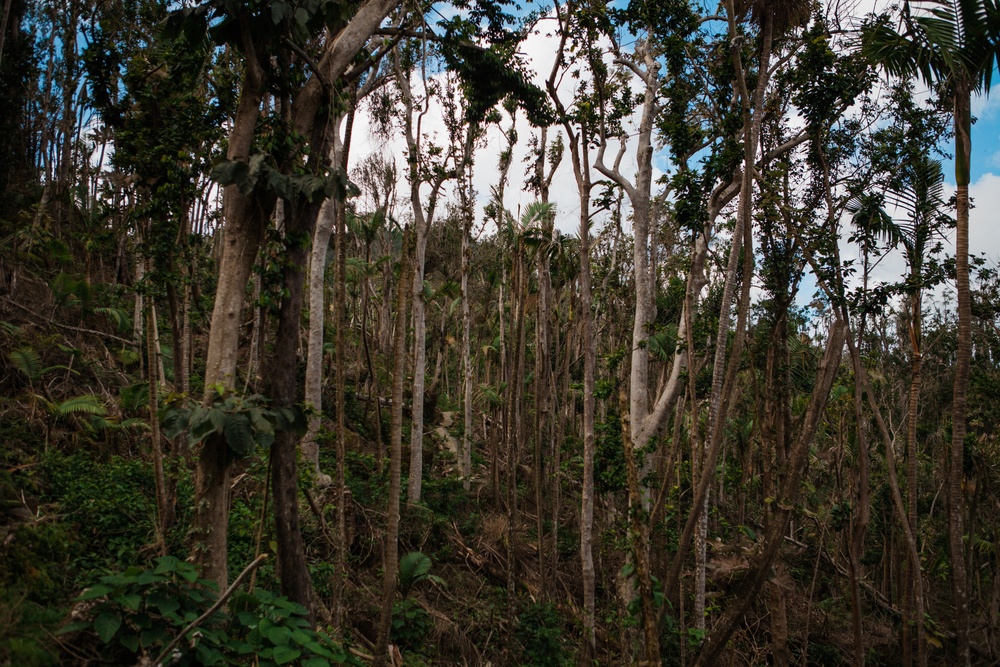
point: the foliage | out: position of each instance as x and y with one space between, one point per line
410 624
609 457
138 612
541 635
414 568
246 422
105 504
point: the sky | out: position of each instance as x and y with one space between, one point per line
538 51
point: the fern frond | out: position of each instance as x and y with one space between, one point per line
84 404
27 361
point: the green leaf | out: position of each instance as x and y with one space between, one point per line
146 578
163 604
27 361
94 592
131 601
200 424
165 564
153 636
239 435
233 172
73 627
279 635
106 625
208 655
316 662
278 11
188 572
131 642
283 655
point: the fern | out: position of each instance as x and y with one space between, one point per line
117 316
84 404
128 356
27 361
134 397
9 328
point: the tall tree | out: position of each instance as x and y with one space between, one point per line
390 559
247 206
956 45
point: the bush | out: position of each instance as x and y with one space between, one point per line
541 635
410 624
139 612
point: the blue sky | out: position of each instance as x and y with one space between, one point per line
985 135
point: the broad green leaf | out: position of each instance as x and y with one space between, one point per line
239 435
73 627
130 641
282 655
98 591
106 625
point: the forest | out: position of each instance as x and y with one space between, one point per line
470 333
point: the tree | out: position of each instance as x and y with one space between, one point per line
247 206
391 552
954 45
576 28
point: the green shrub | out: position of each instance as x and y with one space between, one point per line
410 624
541 635
139 612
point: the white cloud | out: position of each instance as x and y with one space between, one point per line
984 220
986 108
539 50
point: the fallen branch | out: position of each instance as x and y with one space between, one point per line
70 327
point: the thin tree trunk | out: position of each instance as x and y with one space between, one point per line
639 530
340 379
589 363
245 221
391 553
314 354
914 574
752 118
956 476
3 25
163 502
862 516
468 216
422 220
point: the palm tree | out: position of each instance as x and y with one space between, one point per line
954 45
916 191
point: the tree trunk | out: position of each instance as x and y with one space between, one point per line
245 219
314 355
292 567
589 364
639 537
914 574
340 379
422 221
862 515
468 216
390 561
164 504
956 476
